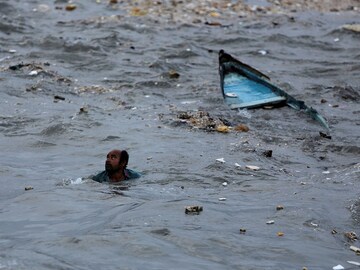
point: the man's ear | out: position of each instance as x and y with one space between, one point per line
122 163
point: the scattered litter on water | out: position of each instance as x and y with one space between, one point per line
173 74
354 263
268 153
333 231
28 188
33 73
352 27
193 210
59 97
222 199
222 129
262 52
338 267
270 222
136 12
221 160
351 236
355 249
237 165
280 234
83 110
225 184
314 224
324 135
70 7
12 51
252 167
279 207
242 128
242 230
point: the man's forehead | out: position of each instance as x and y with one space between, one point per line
114 152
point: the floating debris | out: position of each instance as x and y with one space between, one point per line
28 188
280 234
135 11
223 129
268 153
59 97
242 128
70 7
242 230
355 249
213 23
333 231
202 120
279 207
83 110
225 184
314 224
235 74
221 160
351 236
237 165
338 267
252 167
352 27
33 73
222 199
173 74
354 263
193 210
262 52
98 89
270 222
324 135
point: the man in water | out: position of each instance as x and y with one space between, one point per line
115 168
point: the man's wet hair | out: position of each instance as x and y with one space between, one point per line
124 157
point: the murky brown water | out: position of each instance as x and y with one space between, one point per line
77 84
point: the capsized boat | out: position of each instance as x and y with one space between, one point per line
245 87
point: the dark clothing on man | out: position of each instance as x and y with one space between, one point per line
104 177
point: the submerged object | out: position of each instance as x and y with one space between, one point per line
193 209
245 87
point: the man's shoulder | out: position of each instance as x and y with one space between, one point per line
131 174
100 177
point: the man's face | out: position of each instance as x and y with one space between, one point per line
112 161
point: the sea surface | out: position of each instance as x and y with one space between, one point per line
76 84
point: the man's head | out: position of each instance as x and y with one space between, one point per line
116 160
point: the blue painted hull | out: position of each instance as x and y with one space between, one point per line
245 87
